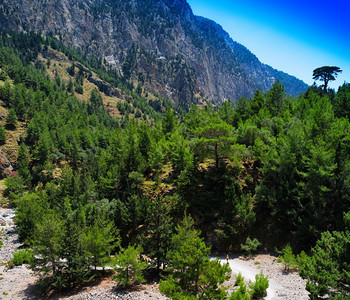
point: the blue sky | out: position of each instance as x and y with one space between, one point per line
292 36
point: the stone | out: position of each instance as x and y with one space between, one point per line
5 166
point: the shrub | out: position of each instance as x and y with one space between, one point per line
250 246
239 279
240 294
2 135
21 257
288 259
258 289
79 89
11 118
302 259
129 266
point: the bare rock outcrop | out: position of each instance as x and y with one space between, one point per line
5 166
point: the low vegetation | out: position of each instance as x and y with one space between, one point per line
256 290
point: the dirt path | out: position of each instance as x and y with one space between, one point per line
282 285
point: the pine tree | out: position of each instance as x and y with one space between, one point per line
327 270
47 246
2 135
129 266
23 162
192 272
99 240
156 241
11 118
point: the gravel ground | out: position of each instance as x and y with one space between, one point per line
16 283
282 285
19 283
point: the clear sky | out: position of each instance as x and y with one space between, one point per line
294 36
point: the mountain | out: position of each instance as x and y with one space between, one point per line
160 44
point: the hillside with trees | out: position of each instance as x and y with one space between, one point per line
103 167
160 44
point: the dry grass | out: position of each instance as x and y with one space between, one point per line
59 63
12 137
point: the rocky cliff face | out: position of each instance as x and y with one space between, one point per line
159 43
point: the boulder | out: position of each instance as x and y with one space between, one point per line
5 166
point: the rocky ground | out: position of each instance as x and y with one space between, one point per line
16 283
19 282
282 285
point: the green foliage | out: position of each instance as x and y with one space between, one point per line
288 259
169 122
250 246
14 187
29 211
1 237
258 288
96 99
2 135
11 119
302 259
215 140
98 241
23 256
47 246
273 166
341 101
23 164
239 279
129 266
241 293
192 272
156 241
327 268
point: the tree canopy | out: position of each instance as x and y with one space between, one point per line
326 74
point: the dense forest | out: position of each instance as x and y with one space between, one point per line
87 184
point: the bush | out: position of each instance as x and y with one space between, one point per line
79 89
129 266
239 279
258 289
288 259
2 135
250 246
240 294
11 118
302 259
21 257
1 242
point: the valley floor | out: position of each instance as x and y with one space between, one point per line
18 283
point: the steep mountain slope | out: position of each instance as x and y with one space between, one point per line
159 43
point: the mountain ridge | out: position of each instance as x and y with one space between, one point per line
159 43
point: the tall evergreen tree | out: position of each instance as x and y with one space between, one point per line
2 135
156 241
192 272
